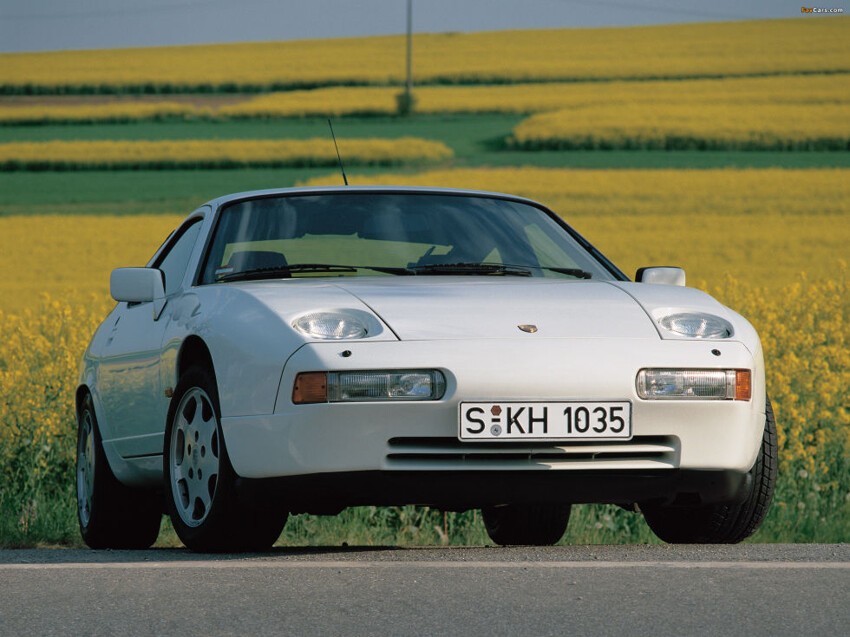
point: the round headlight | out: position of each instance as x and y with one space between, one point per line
330 325
697 325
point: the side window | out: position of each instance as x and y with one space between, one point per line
174 261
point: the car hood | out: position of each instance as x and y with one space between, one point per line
477 307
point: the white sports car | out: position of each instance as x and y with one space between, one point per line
306 350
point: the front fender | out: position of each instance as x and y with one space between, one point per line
248 345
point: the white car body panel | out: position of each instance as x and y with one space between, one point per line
592 339
436 309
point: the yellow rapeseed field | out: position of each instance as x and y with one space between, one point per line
755 92
39 357
117 111
529 98
637 192
681 126
209 153
68 257
806 338
690 50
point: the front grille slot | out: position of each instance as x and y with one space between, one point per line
647 451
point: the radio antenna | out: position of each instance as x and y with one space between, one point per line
342 169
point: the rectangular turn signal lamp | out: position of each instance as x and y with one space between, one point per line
310 387
695 384
743 384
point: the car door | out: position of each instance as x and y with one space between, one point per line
133 397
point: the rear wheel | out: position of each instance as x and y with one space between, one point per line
111 515
200 481
529 524
723 523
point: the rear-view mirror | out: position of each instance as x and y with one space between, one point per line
136 285
661 275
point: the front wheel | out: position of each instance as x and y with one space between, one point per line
723 523
111 515
200 481
526 524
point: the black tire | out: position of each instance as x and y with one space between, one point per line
526 524
111 515
723 523
200 482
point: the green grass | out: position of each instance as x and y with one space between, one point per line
475 139
135 192
466 131
33 518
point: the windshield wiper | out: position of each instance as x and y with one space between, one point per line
503 269
279 272
486 269
470 269
576 272
327 267
276 272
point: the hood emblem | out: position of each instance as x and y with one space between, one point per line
528 329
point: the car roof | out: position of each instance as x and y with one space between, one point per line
318 190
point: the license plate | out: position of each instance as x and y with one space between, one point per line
572 420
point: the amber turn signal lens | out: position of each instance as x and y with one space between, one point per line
310 387
743 384
694 384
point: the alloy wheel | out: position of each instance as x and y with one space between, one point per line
85 468
194 457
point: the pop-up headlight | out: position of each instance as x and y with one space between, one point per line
697 325
330 325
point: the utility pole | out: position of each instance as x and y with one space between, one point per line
409 85
406 101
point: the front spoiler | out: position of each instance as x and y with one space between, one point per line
329 493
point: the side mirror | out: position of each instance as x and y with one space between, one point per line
661 275
139 285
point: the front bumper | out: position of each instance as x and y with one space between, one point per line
330 493
421 437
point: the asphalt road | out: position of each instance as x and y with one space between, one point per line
586 590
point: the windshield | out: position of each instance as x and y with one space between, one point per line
386 234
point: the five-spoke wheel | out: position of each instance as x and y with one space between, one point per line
194 457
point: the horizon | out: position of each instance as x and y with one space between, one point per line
35 26
394 35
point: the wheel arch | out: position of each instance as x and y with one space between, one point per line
84 390
122 471
194 352
80 397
